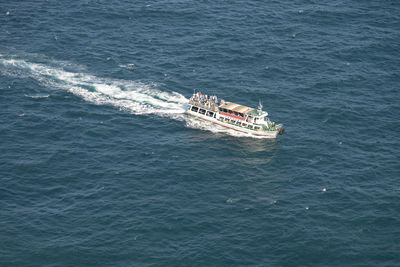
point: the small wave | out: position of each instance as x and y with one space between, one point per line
127 66
37 96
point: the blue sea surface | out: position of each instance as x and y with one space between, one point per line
99 165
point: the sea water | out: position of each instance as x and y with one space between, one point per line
99 165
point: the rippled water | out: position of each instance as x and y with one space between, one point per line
99 165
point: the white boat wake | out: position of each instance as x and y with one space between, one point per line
135 97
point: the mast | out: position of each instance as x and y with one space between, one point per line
260 107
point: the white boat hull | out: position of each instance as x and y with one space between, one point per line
262 134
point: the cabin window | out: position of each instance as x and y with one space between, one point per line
195 109
210 114
257 128
202 111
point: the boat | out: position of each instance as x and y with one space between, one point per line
253 122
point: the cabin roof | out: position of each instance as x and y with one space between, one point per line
236 107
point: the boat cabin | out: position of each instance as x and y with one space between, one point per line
243 113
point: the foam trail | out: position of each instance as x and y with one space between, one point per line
136 97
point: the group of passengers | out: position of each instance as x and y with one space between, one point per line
206 99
